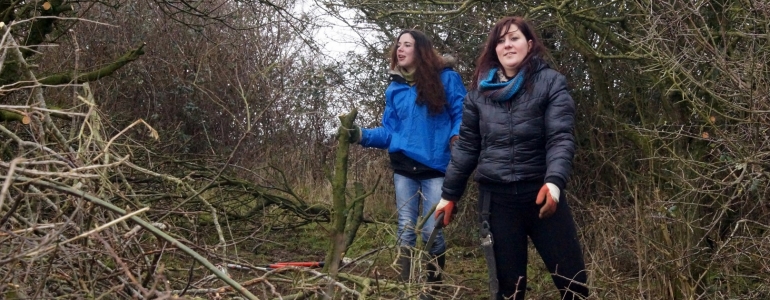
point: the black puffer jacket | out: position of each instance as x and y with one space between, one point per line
520 143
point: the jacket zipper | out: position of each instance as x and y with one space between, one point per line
511 138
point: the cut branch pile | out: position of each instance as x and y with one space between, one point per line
82 218
92 217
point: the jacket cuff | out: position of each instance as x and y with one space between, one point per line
449 197
364 136
557 181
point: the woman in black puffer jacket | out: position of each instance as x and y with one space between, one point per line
517 133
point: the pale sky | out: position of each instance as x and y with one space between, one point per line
335 36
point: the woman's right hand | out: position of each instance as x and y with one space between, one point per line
354 134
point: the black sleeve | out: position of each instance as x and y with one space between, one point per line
559 126
465 152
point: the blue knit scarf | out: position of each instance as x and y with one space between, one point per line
499 90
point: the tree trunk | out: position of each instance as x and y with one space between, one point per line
339 205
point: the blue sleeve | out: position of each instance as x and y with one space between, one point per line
455 93
379 137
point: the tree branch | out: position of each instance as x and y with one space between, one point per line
67 78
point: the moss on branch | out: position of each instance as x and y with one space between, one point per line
69 77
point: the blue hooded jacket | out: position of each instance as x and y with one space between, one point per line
409 128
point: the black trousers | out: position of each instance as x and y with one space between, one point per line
555 239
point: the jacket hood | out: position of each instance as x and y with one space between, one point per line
396 75
449 61
540 64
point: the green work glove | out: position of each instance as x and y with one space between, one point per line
354 134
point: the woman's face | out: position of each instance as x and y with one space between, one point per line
512 48
405 52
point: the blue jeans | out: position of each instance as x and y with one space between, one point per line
410 194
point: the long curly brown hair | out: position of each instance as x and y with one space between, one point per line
488 58
427 74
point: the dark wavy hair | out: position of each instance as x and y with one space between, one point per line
427 75
488 58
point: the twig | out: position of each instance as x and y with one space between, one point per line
7 182
35 146
48 110
10 212
122 264
178 181
49 174
189 278
105 152
38 92
95 230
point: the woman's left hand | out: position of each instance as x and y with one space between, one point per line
448 209
549 194
453 139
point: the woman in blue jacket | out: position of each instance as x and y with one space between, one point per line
423 111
